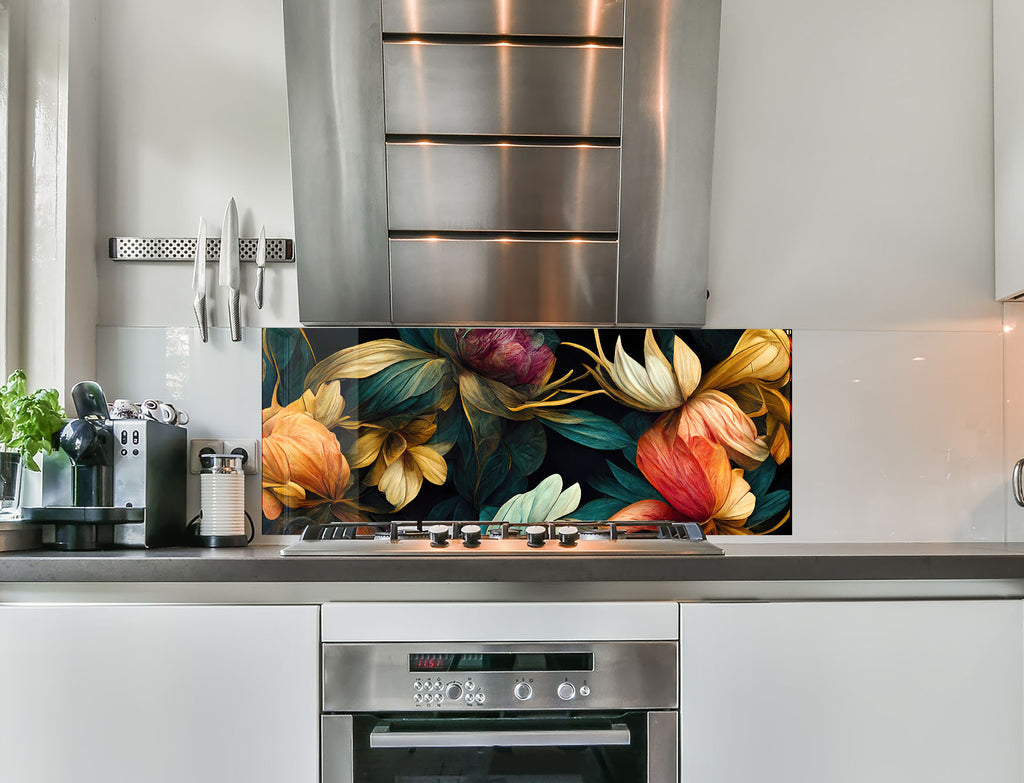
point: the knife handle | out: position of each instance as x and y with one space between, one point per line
234 317
258 294
199 306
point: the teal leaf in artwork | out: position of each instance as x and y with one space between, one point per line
625 486
454 509
666 339
494 472
527 445
419 338
636 423
484 435
599 509
760 479
769 506
586 428
637 487
287 357
407 387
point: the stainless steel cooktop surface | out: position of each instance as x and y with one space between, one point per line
468 539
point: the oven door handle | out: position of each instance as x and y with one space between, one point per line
382 737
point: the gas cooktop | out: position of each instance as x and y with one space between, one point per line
458 539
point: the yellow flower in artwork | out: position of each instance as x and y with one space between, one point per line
693 402
401 457
326 406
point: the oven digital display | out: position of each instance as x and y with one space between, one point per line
502 662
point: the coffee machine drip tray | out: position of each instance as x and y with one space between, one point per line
83 527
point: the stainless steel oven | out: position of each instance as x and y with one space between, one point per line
518 712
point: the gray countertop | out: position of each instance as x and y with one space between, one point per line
747 561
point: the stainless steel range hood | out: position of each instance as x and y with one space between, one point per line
502 161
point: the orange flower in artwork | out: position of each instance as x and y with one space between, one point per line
303 467
693 474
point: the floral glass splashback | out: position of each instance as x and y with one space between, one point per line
527 425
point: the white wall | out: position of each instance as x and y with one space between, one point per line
852 202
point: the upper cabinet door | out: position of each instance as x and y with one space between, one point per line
1008 116
502 161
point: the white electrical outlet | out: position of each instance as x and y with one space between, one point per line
199 446
249 449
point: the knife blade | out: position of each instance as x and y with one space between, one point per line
229 276
261 262
199 282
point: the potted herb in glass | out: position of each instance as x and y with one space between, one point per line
28 422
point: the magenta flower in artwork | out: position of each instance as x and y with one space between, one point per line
512 356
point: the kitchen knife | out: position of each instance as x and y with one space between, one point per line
199 281
261 262
229 276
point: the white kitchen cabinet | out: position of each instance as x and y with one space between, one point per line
159 694
849 692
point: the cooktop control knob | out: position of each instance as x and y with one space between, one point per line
535 535
566 691
453 691
438 535
568 535
522 691
471 535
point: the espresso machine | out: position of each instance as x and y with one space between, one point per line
112 483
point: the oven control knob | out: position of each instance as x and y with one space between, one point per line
471 535
566 691
535 535
584 690
522 691
453 691
438 535
568 535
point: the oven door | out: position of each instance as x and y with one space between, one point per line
630 747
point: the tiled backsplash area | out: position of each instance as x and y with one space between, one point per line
216 383
897 435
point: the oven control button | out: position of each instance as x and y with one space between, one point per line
417 686
469 698
438 535
535 535
584 690
471 535
566 691
470 685
453 691
417 699
522 691
479 698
